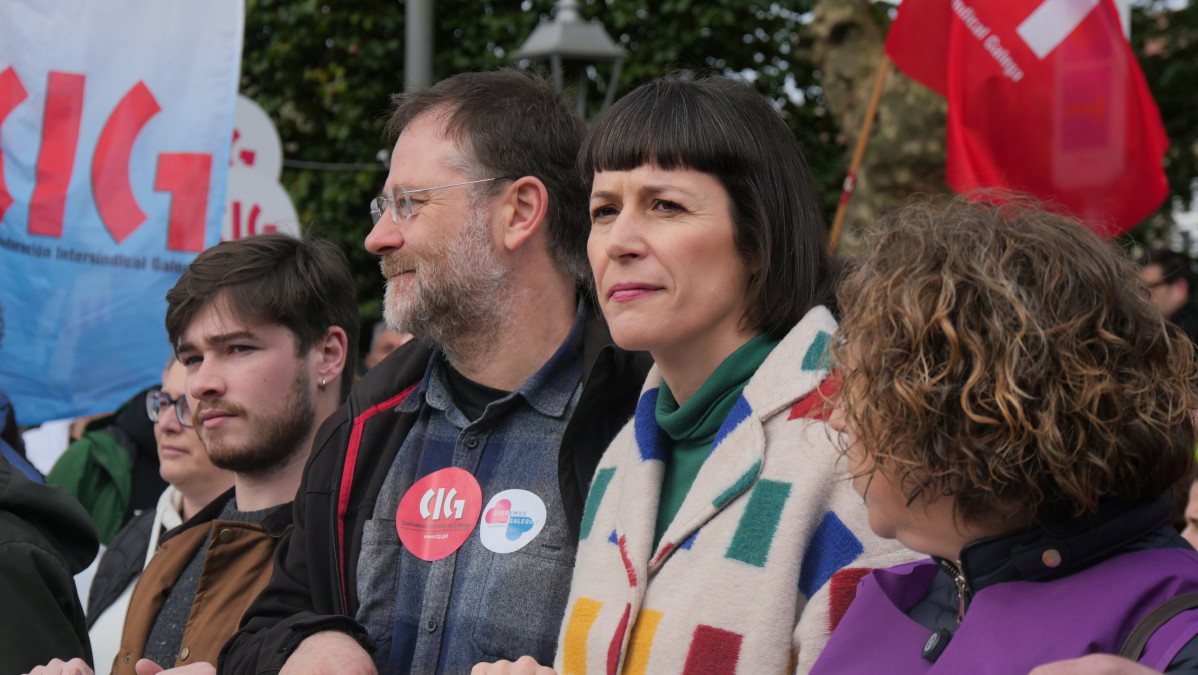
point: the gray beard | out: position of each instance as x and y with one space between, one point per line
460 302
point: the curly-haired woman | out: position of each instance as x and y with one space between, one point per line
1016 408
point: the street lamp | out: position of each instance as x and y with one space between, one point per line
569 42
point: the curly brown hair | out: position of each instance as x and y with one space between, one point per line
1008 358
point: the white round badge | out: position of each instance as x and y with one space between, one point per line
511 519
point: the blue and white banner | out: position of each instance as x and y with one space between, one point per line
116 120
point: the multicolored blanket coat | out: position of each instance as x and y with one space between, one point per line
763 556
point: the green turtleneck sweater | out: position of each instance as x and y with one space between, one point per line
693 425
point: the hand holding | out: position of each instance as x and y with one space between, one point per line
525 665
329 653
60 667
1094 664
148 667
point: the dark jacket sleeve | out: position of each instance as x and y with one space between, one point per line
120 564
44 618
1186 661
300 599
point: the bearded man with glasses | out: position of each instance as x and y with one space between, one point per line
439 517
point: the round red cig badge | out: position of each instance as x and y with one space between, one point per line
438 513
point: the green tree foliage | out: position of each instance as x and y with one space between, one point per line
1166 42
1164 37
325 71
754 39
324 76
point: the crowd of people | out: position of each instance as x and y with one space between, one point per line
628 414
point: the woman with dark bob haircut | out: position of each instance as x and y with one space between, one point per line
1016 408
716 520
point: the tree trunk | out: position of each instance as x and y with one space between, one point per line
905 154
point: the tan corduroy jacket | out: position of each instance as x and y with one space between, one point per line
236 568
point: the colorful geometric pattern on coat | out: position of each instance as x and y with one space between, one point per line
768 521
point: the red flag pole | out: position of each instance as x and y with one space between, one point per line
867 125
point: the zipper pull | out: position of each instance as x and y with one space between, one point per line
964 593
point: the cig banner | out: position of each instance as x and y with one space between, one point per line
116 121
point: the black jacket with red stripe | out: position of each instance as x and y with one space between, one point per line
313 586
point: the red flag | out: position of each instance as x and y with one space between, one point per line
1044 97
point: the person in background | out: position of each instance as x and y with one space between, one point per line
1017 409
46 442
194 483
1170 278
265 327
45 539
113 468
12 445
1188 496
383 341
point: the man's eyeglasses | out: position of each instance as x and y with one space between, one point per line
157 402
400 201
